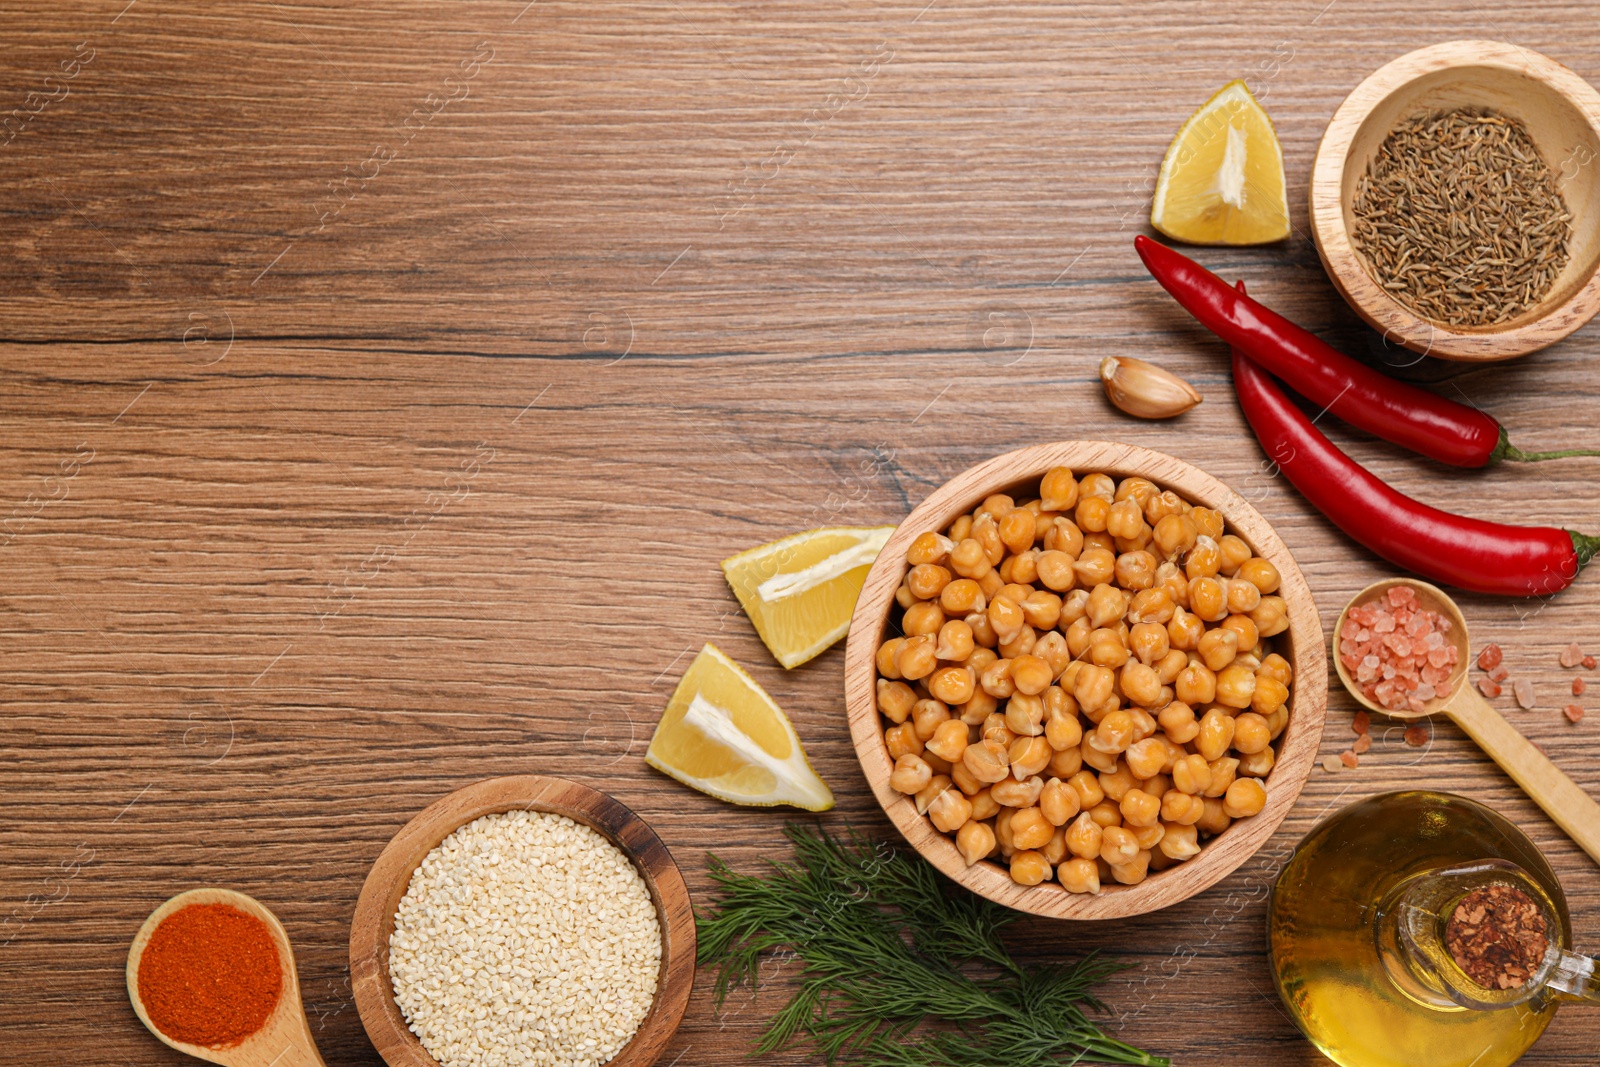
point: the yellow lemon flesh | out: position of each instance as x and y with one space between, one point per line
800 591
1222 180
722 734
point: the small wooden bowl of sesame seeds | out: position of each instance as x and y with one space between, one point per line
1281 768
1455 201
495 839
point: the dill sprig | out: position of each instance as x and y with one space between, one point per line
896 970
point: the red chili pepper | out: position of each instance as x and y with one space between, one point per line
1410 417
1485 557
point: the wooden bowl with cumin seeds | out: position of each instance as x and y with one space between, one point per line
1302 644
1561 115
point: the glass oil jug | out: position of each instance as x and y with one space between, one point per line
1357 934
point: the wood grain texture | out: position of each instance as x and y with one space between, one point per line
390 877
1018 473
257 614
284 1040
1561 112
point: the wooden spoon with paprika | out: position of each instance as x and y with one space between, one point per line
211 973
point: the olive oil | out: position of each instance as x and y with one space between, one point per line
1331 925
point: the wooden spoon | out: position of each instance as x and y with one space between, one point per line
284 1040
1567 805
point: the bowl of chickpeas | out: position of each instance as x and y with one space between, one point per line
1086 680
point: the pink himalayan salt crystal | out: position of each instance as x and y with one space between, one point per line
1396 650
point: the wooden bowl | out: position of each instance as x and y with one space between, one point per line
1020 471
391 876
1562 114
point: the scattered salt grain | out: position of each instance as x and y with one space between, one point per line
1349 759
1489 687
1572 655
1490 657
1331 764
1522 689
1578 687
1361 745
1418 735
1573 712
1589 663
1500 673
1392 646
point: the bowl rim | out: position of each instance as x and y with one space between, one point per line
1301 738
391 873
1343 263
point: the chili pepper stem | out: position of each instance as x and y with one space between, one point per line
1516 454
1586 545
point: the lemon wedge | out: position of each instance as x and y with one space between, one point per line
800 591
722 734
1221 182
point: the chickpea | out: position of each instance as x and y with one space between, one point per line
1269 694
984 805
895 700
1236 686
987 533
1051 649
1088 788
1216 734
1185 630
990 585
1245 627
911 774
1135 872
926 715
1140 808
975 841
950 811
1223 772
1031 675
1079 875
1106 649
1042 609
1058 490
995 728
1195 684
1095 685
1116 783
1171 665
1074 608
1258 764
1140 684
1017 793
1065 763
1005 615
1245 797
1208 599
1094 566
978 707
1126 520
1113 734
1020 645
1203 560
1016 529
1160 505
1029 828
1177 721
1021 569
1092 514
959 774
1251 733
1261 574
996 679
961 529
1278 720
1191 774
937 784
995 505
982 634
1104 762
1029 867
1029 755
1059 802
1234 553
916 658
1054 570
1063 730
1242 597
1275 666
962 596
1106 605
953 685
1207 521
937 764
923 617
988 760
1148 641
902 740
1171 579
1181 841
1145 759
949 741
1024 715
955 642
1002 831
1271 616
1117 845
1218 647
1136 570
1175 535
1183 808
1065 537
1215 820
886 655
1084 837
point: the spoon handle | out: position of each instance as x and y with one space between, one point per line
1567 805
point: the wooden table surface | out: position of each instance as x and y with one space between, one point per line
382 388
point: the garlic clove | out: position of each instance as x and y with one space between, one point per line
1145 390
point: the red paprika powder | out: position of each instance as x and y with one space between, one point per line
210 975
